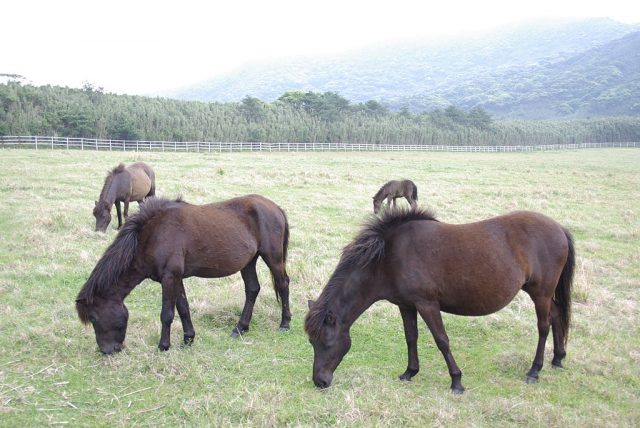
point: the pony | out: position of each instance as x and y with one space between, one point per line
424 266
169 240
396 189
123 184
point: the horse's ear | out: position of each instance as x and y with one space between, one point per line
330 319
310 303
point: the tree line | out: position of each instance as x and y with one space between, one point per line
296 116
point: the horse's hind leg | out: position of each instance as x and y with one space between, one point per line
278 270
412 202
117 204
126 208
251 290
410 321
558 339
543 313
430 312
185 315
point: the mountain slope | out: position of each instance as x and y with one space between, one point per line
423 76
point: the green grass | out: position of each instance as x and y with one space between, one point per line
51 372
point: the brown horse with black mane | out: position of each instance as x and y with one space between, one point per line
123 184
424 266
396 189
171 240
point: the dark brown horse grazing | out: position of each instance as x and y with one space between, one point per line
123 184
424 266
396 189
171 240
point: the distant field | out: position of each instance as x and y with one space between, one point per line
52 373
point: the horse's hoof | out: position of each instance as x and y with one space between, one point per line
283 329
457 391
531 379
188 340
407 375
163 347
236 332
556 366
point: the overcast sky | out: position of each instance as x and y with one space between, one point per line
141 46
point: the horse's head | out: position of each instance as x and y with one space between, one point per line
331 342
376 205
102 213
109 318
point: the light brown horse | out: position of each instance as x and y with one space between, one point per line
171 240
424 266
123 184
396 189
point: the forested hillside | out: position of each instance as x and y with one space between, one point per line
294 117
541 70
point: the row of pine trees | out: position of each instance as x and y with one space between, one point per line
301 117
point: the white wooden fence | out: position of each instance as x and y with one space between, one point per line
67 143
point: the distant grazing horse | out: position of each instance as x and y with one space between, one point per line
171 240
424 266
123 184
396 189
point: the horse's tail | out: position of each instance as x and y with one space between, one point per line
563 290
285 249
152 176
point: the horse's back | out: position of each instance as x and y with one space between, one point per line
477 268
211 240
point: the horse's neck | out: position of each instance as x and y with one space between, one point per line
130 280
355 297
110 192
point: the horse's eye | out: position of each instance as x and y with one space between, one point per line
92 318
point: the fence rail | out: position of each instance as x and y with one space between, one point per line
68 143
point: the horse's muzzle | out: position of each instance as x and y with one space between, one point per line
111 349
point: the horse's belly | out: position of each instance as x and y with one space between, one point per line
474 303
208 272
218 260
140 190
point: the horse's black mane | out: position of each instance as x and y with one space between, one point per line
366 248
107 181
118 256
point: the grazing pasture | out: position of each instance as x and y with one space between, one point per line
52 373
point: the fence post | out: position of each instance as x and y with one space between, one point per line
36 142
81 143
67 143
52 142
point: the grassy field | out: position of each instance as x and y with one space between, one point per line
52 373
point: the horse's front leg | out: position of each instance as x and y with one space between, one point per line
430 313
170 285
117 204
185 315
410 321
251 290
